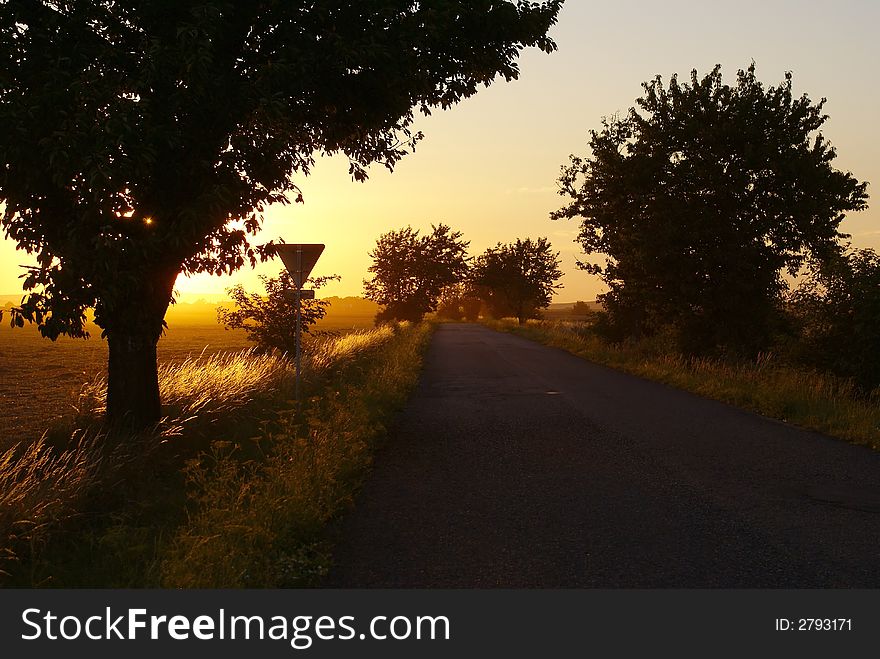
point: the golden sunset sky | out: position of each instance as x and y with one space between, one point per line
488 166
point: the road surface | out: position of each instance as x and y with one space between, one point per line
517 465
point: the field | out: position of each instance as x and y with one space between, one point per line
40 379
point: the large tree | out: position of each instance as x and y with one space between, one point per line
145 139
701 198
411 270
517 279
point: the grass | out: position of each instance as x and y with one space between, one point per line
234 488
40 489
261 523
39 377
205 389
805 397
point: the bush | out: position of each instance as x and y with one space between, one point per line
270 320
838 307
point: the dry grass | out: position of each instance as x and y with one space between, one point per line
40 379
46 488
260 523
330 352
205 385
40 488
805 397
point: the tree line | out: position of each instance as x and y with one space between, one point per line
414 274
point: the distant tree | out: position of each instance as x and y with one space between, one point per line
838 305
581 308
701 198
518 278
410 270
144 139
270 318
459 302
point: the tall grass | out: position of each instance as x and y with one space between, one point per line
806 397
200 385
327 353
231 438
261 523
40 488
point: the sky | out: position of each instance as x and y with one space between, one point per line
488 166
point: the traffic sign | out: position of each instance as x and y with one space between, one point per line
299 260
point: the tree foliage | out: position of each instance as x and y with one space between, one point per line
143 139
701 198
270 318
517 279
838 306
410 270
459 302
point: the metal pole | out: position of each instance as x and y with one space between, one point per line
298 317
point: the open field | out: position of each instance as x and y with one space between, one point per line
40 379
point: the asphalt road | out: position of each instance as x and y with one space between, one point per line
518 465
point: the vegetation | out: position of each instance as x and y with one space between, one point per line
459 302
410 271
517 279
796 394
265 525
144 140
581 308
236 490
414 275
837 309
270 319
701 199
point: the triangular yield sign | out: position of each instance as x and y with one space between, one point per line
299 260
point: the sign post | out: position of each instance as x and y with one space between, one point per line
299 261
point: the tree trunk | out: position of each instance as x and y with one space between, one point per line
133 326
132 381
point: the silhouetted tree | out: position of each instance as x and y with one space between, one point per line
517 278
701 197
144 139
410 270
838 305
270 318
459 302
